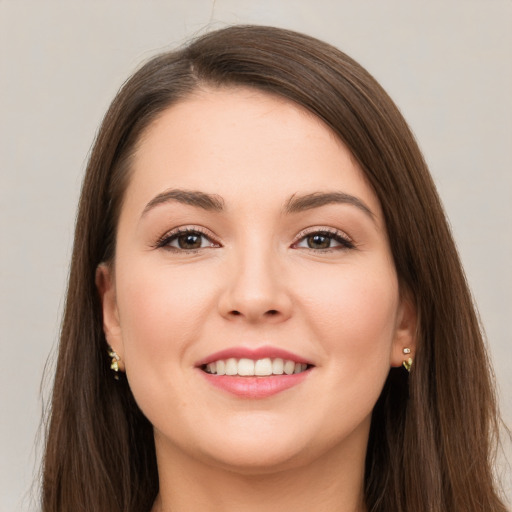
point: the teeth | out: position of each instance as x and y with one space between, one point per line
231 367
221 368
245 367
277 366
261 367
289 367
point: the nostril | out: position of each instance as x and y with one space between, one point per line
267 314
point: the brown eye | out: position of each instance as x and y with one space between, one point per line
189 241
323 240
319 241
186 240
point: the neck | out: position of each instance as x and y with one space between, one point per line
331 483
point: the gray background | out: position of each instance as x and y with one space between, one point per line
446 63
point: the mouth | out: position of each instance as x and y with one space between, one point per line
245 367
254 373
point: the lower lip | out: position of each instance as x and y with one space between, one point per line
255 387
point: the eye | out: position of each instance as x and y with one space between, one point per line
186 240
324 240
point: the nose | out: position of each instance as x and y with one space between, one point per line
256 290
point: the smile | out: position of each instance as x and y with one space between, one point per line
245 367
254 373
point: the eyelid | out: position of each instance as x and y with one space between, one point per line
163 240
335 233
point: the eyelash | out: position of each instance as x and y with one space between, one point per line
332 234
169 237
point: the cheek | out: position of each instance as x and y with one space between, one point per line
160 309
353 312
353 315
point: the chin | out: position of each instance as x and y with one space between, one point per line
247 445
257 458
260 447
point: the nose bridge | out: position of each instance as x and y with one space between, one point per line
256 289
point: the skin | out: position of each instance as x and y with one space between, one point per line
255 282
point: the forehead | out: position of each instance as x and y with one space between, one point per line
242 143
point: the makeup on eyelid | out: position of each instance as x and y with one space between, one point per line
323 237
183 235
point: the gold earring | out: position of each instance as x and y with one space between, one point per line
114 364
408 362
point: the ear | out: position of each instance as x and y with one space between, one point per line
405 331
105 284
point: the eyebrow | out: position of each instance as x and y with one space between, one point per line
296 204
306 202
209 202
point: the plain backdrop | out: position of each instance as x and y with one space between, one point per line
447 64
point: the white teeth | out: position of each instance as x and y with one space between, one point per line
289 367
248 367
263 367
231 366
221 367
277 366
245 367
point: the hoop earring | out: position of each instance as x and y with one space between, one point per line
407 364
114 364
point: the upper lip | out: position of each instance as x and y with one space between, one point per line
252 353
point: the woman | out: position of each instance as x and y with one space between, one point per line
266 309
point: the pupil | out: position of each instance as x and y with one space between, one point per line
189 241
319 242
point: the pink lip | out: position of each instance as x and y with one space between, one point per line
255 387
252 353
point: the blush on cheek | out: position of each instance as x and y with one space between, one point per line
364 303
160 310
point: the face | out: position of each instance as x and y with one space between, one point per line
253 298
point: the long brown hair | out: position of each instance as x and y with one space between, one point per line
433 431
